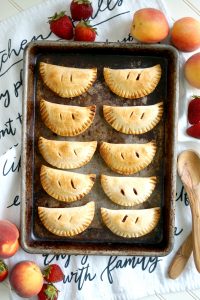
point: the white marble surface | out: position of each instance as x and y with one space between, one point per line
178 9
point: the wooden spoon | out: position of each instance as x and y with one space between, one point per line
181 258
189 172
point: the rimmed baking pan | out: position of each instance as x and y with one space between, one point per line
97 239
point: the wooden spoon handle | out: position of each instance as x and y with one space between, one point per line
196 236
180 259
194 198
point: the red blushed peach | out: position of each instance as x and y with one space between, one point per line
192 70
149 25
9 235
26 279
185 34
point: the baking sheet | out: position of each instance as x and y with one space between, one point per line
97 239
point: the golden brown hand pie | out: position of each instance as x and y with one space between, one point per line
131 223
67 82
127 159
132 83
133 119
66 120
66 186
66 155
128 191
67 221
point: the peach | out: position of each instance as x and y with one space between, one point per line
9 235
26 279
192 70
149 25
185 34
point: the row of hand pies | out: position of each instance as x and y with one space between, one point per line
66 120
70 82
124 159
70 186
127 191
74 220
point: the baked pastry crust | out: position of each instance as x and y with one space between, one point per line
67 221
131 223
66 186
66 120
133 83
127 159
67 82
128 191
133 119
65 154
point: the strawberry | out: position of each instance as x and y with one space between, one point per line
81 9
194 110
84 32
48 292
61 25
194 131
53 273
3 271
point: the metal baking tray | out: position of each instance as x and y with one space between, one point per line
97 239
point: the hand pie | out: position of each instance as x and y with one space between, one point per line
66 186
66 120
66 155
67 221
133 119
131 223
128 191
67 82
127 159
132 83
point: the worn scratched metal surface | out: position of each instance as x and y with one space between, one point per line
97 239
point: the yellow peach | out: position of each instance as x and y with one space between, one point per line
26 279
192 70
9 235
185 34
149 25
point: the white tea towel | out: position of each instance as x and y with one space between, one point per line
86 277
